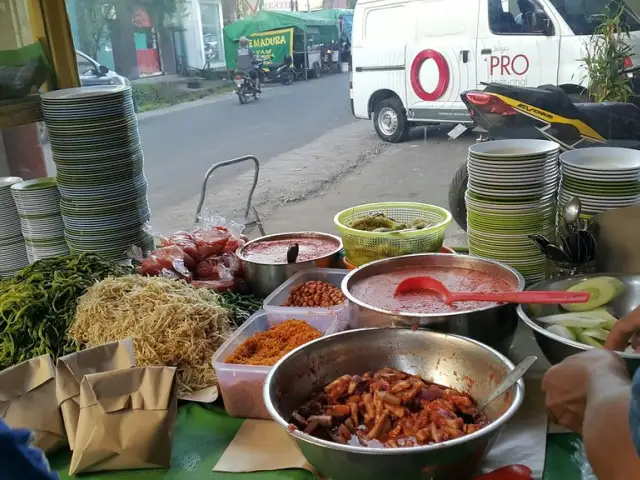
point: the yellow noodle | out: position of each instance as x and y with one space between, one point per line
170 322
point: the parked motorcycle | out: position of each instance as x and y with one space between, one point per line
546 112
246 87
277 72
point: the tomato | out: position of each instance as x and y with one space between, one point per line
510 472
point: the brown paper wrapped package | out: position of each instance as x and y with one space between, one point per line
70 370
127 418
28 400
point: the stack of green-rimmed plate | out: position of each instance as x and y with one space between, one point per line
38 204
13 253
100 169
511 194
603 178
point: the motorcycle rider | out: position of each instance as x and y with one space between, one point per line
246 60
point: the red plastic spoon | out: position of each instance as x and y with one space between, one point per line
430 284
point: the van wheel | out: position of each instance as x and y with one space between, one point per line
390 121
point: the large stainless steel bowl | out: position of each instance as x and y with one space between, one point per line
264 278
494 325
556 348
448 360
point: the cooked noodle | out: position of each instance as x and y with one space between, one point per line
170 322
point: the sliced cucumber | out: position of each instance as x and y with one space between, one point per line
587 340
598 318
596 333
607 313
561 331
601 291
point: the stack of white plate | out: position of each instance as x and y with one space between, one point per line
13 253
603 178
511 194
38 204
99 162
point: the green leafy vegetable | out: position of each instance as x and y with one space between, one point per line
38 305
241 306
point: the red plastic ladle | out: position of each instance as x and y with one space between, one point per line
430 284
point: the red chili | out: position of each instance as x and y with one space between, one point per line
510 472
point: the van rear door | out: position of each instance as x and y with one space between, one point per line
440 61
512 50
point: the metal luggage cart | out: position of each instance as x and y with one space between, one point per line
247 221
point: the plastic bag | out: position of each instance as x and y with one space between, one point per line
211 241
204 257
187 242
174 257
208 219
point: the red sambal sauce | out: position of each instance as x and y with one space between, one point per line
377 290
274 252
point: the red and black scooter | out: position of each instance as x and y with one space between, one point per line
550 113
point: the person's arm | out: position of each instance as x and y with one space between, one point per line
606 429
18 459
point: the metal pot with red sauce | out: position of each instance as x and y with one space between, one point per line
371 288
271 260
275 252
378 290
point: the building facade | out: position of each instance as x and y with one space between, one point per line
203 23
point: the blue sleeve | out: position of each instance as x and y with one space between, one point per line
18 459
634 410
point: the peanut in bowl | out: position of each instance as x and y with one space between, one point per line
465 365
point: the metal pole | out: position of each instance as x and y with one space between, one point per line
306 56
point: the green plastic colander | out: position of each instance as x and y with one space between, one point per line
363 247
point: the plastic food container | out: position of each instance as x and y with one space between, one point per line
241 385
334 276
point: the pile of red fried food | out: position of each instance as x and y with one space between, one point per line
204 258
387 409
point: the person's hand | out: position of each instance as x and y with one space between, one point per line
624 331
567 384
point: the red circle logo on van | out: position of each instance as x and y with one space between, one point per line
443 75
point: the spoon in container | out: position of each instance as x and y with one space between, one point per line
292 253
516 374
430 284
571 211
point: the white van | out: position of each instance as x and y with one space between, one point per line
413 58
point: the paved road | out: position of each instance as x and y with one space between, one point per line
181 144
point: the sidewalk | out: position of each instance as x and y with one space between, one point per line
161 91
417 171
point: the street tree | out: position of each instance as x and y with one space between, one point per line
95 16
93 24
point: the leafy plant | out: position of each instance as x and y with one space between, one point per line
95 18
93 24
606 52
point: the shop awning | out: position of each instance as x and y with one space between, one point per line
266 21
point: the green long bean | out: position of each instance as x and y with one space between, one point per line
241 306
38 305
